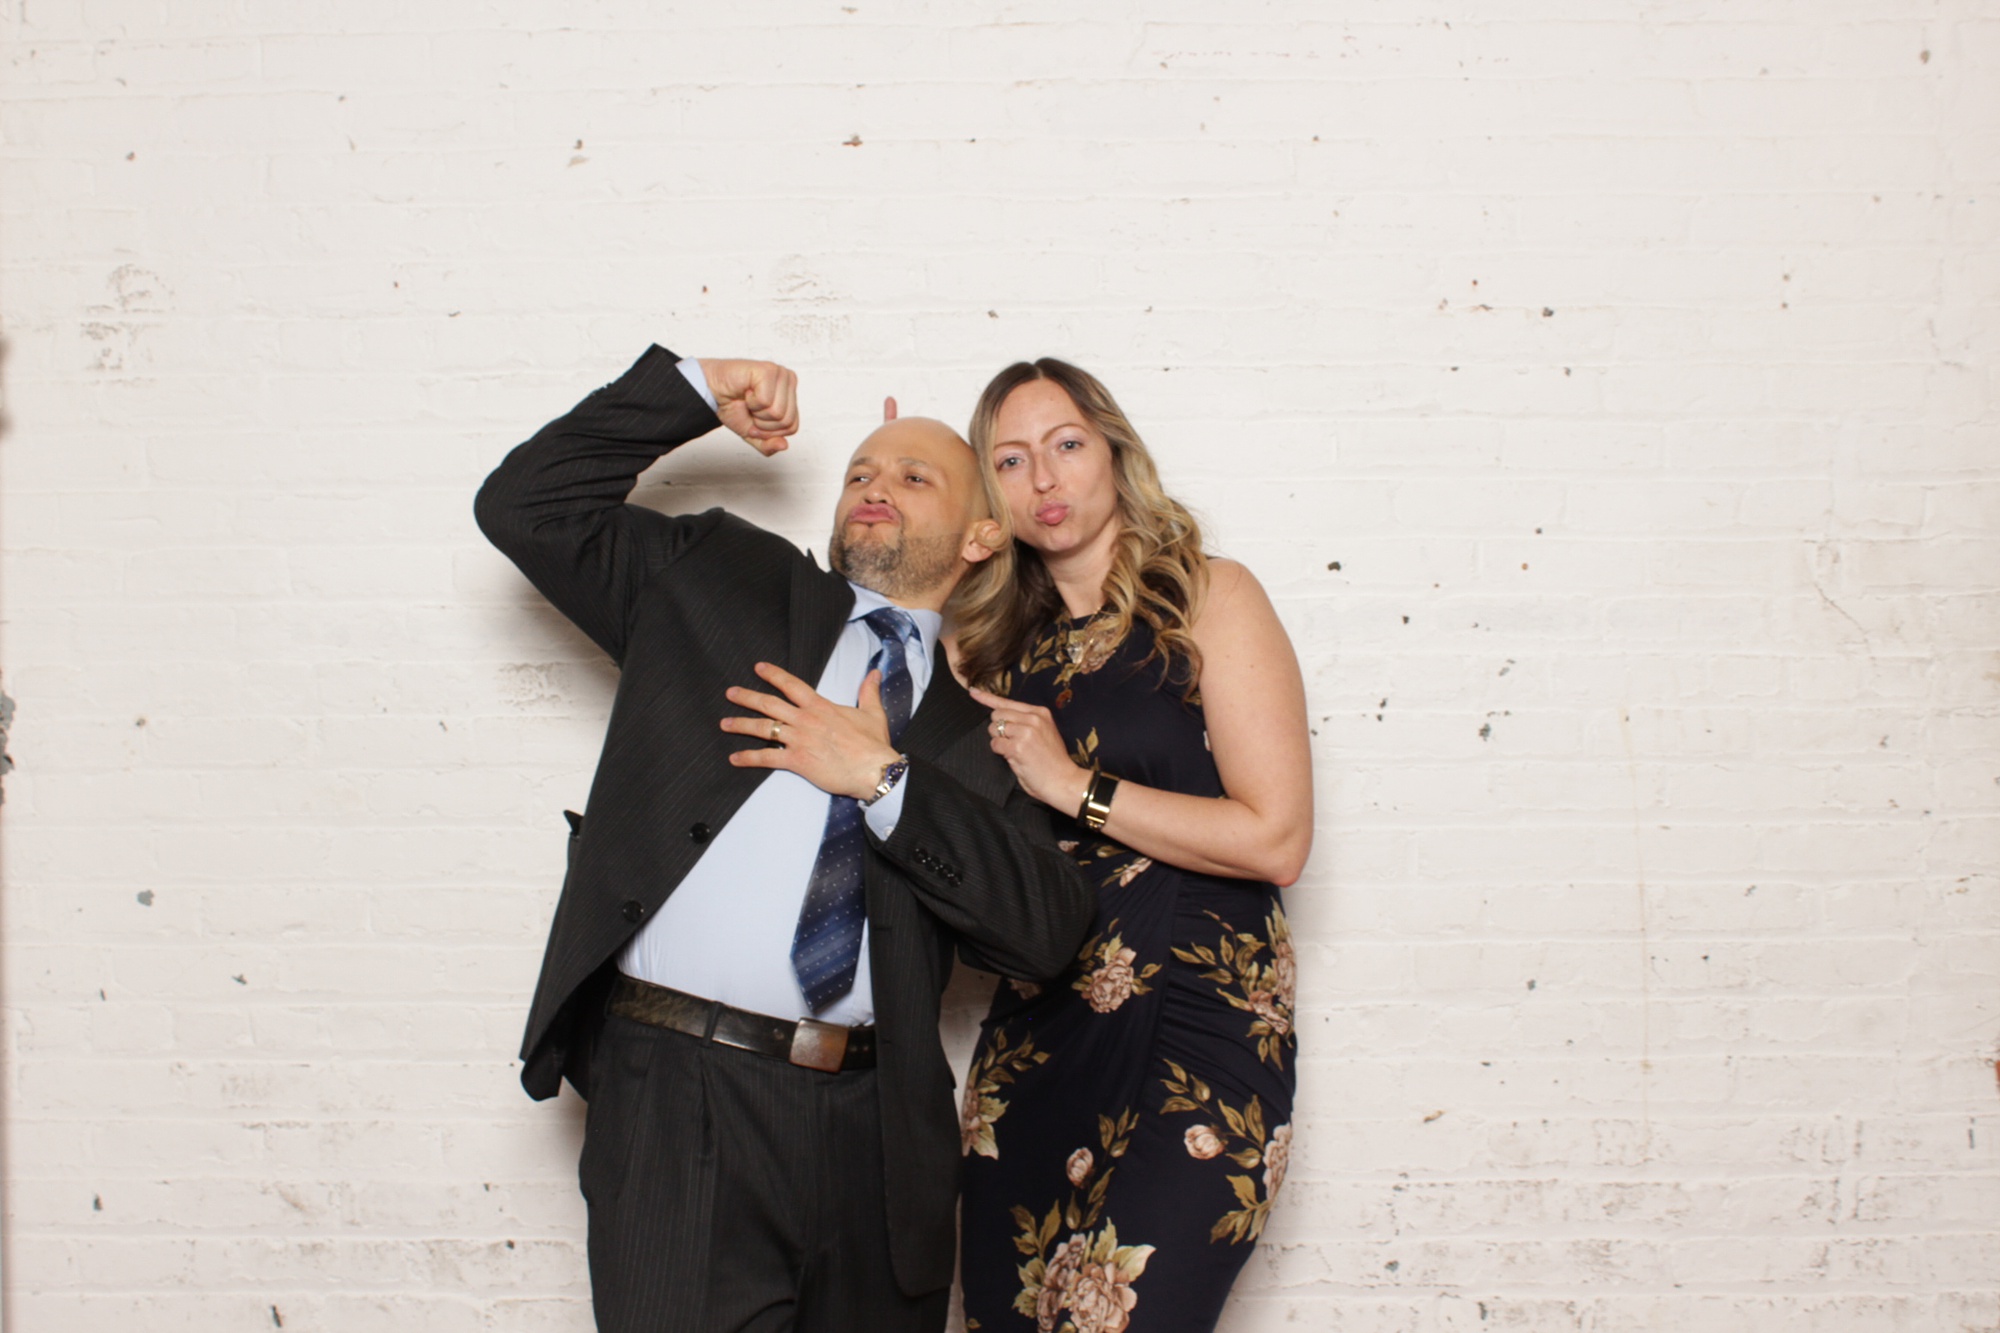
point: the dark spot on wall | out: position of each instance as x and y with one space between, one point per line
1531 983
1333 565
6 724
145 897
854 142
1547 313
238 979
277 1320
97 1203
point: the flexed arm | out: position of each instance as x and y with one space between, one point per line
557 507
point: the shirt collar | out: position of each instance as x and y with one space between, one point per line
929 624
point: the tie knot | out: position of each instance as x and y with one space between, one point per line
891 623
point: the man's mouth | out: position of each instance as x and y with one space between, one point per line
1052 513
873 513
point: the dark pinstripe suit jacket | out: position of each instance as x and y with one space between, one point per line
685 605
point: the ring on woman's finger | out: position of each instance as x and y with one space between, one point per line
1001 731
776 728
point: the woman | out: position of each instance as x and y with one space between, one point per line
1127 1127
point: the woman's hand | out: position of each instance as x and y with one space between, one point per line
1025 735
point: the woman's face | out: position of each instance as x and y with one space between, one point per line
1055 470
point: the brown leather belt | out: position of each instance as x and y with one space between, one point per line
809 1043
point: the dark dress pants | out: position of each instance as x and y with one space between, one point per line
733 1193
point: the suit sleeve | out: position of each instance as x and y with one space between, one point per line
556 505
993 876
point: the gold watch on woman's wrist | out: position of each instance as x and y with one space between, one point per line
1096 807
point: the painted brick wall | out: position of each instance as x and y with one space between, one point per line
1606 392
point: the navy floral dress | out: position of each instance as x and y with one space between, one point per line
1126 1128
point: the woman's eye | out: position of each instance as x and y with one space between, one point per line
1007 462
1070 444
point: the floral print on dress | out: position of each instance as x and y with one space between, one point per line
1070 649
1110 979
992 1069
1099 1210
1266 989
1125 865
1090 1276
1208 1140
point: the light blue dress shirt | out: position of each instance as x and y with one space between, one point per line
726 933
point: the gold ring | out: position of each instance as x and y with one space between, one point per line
776 727
1002 732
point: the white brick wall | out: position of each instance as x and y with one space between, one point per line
1635 362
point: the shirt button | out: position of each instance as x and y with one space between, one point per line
632 910
699 833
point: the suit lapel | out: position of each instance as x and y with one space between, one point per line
946 713
821 602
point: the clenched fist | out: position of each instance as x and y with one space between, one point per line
756 399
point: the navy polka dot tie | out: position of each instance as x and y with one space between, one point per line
826 946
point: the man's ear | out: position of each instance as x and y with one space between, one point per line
980 543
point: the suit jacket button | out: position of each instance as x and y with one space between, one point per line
632 910
699 833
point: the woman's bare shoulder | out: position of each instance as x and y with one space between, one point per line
1235 597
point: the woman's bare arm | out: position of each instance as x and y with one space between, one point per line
1254 698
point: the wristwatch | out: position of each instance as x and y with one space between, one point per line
892 773
1096 807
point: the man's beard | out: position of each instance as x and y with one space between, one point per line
898 567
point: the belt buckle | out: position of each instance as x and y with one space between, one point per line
817 1045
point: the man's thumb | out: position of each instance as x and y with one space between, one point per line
871 692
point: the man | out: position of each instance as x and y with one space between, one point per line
743 973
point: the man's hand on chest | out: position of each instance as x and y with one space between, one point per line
840 750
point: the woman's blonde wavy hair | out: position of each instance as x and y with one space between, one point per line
1159 573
